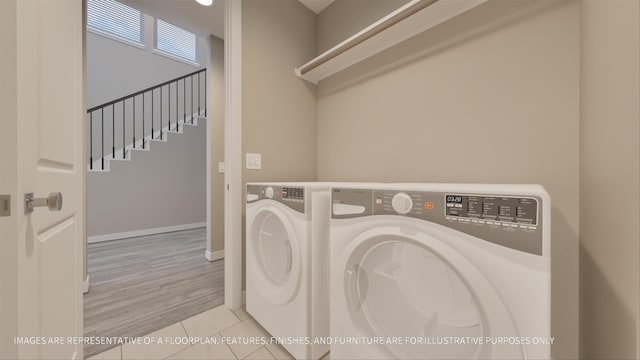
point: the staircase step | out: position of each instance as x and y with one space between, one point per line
140 148
97 164
195 120
159 138
127 156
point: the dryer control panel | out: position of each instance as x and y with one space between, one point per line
291 196
507 220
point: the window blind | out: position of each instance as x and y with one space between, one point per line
115 18
175 40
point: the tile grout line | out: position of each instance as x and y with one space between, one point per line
233 352
238 323
272 354
229 327
181 350
262 347
184 328
236 315
242 321
224 329
228 347
213 335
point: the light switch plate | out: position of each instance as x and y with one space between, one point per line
221 167
254 161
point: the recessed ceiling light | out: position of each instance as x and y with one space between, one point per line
205 2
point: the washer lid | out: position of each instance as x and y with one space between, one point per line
274 252
425 294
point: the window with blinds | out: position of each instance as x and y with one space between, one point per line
175 41
115 19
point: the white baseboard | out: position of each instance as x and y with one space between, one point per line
130 234
85 285
213 256
243 297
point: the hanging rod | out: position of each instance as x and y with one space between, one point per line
371 31
409 20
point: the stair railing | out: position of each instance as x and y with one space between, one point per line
123 111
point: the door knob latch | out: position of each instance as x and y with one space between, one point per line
53 202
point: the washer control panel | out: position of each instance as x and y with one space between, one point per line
290 196
514 210
293 193
507 220
401 203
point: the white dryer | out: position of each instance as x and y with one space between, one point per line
440 271
286 263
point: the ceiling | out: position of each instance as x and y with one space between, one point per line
187 14
202 20
316 5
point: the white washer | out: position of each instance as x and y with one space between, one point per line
463 269
287 263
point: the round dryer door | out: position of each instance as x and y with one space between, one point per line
423 293
276 255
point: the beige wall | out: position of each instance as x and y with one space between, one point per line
344 18
216 147
491 96
8 181
278 109
609 179
158 188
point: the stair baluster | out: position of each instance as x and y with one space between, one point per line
91 140
191 89
205 96
161 113
134 133
152 113
184 99
143 135
102 142
113 131
134 122
124 132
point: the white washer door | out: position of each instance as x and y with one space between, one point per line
275 254
413 287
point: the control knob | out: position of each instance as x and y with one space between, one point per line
402 203
269 192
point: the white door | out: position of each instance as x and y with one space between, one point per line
49 142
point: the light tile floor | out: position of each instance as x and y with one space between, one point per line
215 323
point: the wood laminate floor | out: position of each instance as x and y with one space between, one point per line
143 284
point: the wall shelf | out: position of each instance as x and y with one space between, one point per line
411 19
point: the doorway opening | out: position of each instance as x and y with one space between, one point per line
150 261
